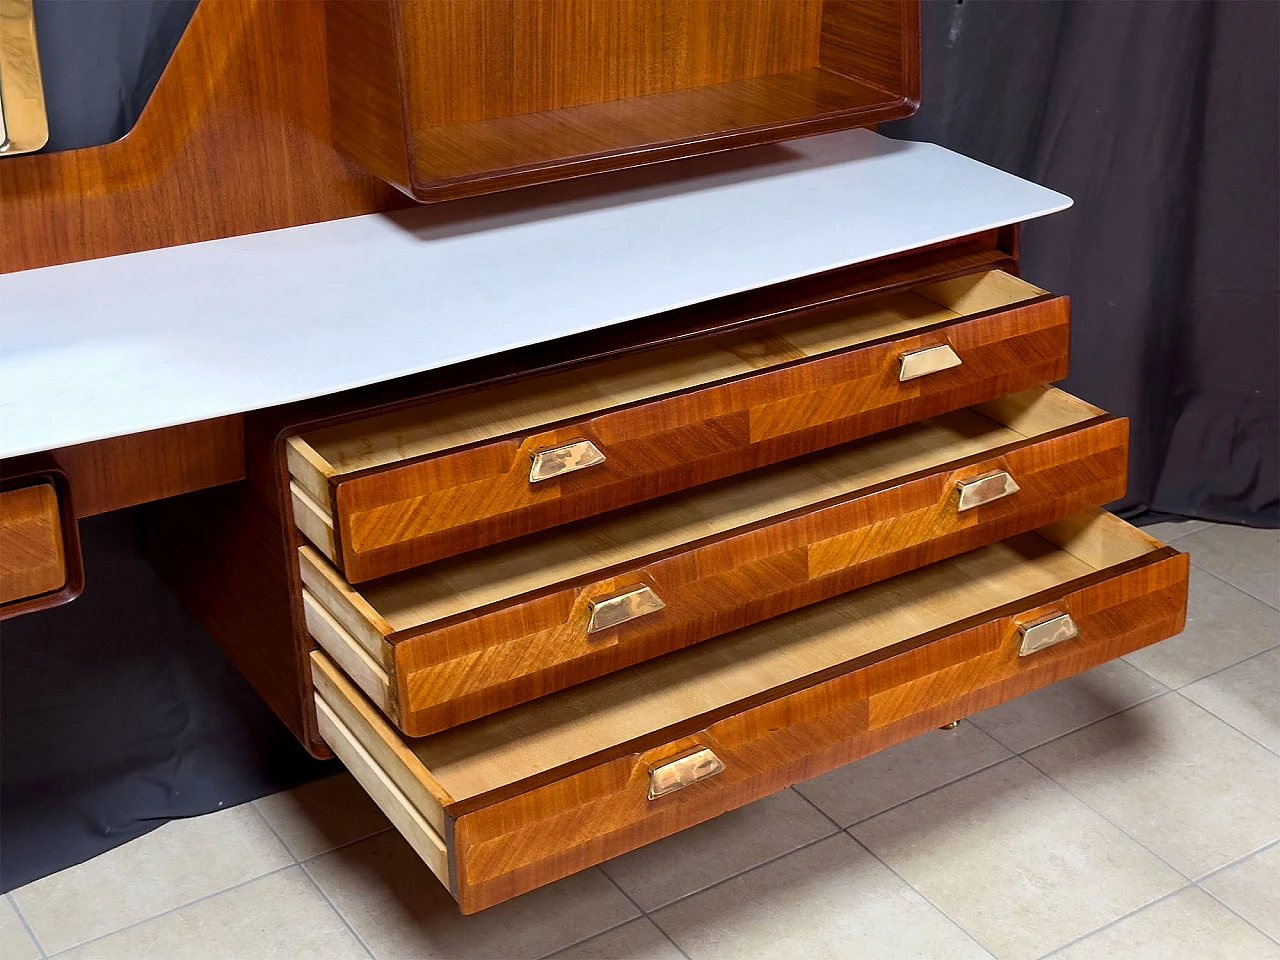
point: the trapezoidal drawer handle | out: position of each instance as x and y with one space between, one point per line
634 602
1046 632
976 491
921 363
679 773
561 460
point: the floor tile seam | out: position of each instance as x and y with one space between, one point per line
1181 873
338 913
830 819
1232 583
1111 923
1237 861
1207 525
182 906
275 833
652 914
347 843
1222 669
1234 912
941 786
577 943
923 896
1243 733
26 926
1092 723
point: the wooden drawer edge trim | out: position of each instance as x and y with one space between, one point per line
345 604
693 725
342 479
348 654
629 567
316 525
425 841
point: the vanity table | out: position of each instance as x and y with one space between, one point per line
571 516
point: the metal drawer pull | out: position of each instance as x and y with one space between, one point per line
1047 631
976 491
921 363
561 460
633 602
679 773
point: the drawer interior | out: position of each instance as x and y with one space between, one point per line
527 740
486 414
454 586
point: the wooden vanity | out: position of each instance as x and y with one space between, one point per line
572 516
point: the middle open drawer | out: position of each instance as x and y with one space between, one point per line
465 637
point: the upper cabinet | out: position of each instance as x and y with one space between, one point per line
450 98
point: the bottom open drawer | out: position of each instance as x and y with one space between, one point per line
507 803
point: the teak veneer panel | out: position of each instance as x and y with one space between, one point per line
465 637
31 557
451 99
418 484
535 793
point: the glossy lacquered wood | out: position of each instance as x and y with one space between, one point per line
40 564
463 638
392 491
446 100
504 805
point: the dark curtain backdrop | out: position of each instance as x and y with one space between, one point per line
1160 119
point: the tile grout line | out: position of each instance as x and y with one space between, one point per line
1243 733
272 830
334 907
920 893
182 906
1238 860
1112 923
346 843
1252 656
1093 723
1199 884
643 913
577 943
1247 593
1234 912
26 926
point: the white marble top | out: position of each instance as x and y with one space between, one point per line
123 344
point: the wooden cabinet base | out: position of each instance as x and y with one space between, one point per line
514 801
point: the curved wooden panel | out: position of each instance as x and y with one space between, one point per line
235 139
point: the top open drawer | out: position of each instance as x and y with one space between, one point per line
466 469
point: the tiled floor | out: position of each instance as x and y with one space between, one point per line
1130 812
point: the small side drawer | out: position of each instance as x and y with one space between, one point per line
40 562
390 491
472 635
509 803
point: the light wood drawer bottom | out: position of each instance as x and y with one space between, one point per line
505 804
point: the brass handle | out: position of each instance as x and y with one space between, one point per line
976 491
679 773
1046 631
637 601
561 460
921 363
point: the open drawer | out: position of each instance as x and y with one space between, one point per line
522 798
418 483
465 637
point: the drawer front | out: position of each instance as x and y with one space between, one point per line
515 838
487 660
39 545
390 519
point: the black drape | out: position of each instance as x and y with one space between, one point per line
1160 120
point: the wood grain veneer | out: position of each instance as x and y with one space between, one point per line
421 483
40 563
451 99
462 638
535 793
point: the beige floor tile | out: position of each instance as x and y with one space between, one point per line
1190 925
1245 556
1016 860
1224 626
15 942
400 909
180 862
318 816
1192 789
1251 889
1170 530
277 917
1041 715
637 940
696 858
1247 696
830 900
902 772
